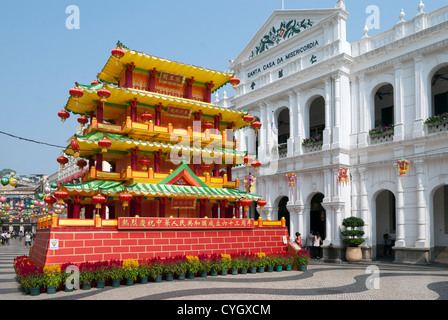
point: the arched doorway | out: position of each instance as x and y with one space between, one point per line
439 92
440 229
283 211
384 106
317 215
283 132
385 219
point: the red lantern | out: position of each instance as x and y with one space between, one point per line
61 196
246 203
145 162
75 147
248 160
146 117
256 125
62 161
104 144
64 115
248 118
82 120
76 93
98 200
234 82
256 164
104 94
118 53
126 198
261 203
81 163
342 175
207 125
49 200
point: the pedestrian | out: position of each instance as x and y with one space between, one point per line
298 240
7 236
309 243
2 237
317 242
388 244
27 239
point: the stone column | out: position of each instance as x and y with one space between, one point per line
327 131
292 124
337 111
328 222
421 108
398 102
262 133
363 113
400 239
364 205
300 126
421 207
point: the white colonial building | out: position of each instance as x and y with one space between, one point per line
303 80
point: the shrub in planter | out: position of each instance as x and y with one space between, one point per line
115 272
101 273
303 258
143 270
226 263
193 264
215 263
156 268
353 238
86 274
130 270
180 266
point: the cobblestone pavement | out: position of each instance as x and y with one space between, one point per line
322 281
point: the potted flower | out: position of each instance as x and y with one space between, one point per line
353 238
226 263
252 263
204 264
302 259
237 263
180 267
215 264
69 283
115 272
86 275
130 271
271 261
193 266
35 281
143 270
279 261
261 261
156 269
51 278
169 268
288 260
101 274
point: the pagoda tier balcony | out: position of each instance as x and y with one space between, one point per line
154 177
163 133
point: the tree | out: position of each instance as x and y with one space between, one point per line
353 236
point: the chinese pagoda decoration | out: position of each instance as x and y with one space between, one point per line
141 116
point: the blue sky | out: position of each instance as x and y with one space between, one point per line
42 59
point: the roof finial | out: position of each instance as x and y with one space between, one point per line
421 6
366 31
401 16
340 4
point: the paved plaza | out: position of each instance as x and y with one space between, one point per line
322 281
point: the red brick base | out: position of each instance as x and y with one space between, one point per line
81 244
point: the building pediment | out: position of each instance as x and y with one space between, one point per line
280 27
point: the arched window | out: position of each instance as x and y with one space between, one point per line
283 133
439 91
317 117
384 106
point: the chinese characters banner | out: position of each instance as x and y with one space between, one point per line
172 78
183 223
178 112
183 203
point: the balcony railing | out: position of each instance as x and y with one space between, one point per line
282 150
437 123
382 134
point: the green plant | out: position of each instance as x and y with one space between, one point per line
156 267
169 265
303 258
130 269
34 280
226 261
271 260
193 264
143 268
51 276
180 265
101 271
353 237
215 262
86 273
115 272
288 259
204 262
260 259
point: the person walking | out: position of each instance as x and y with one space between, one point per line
309 244
317 242
27 239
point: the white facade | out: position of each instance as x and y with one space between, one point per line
340 91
